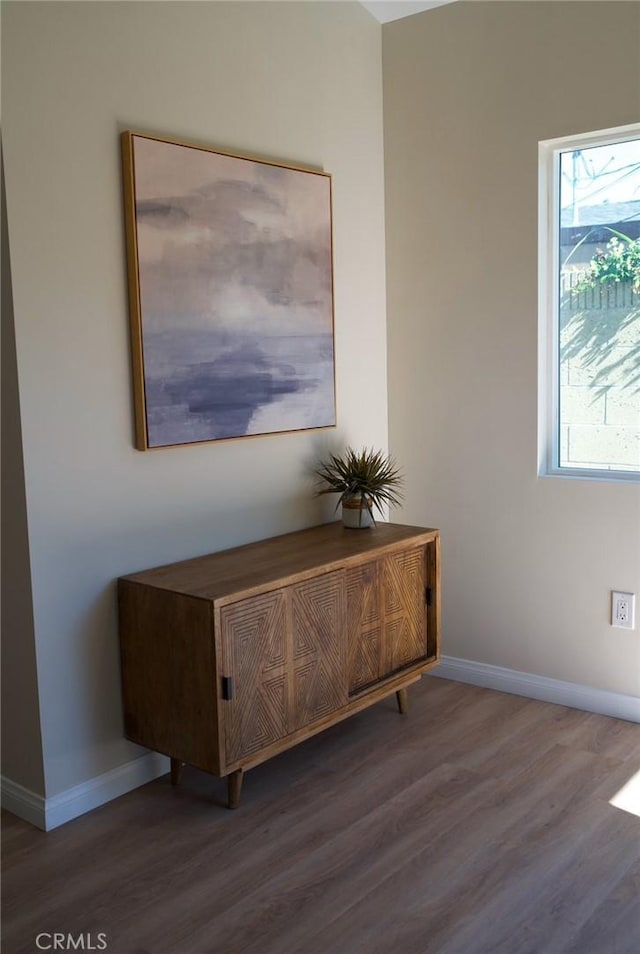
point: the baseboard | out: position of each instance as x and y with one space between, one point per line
539 687
22 802
49 813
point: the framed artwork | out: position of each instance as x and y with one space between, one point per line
230 292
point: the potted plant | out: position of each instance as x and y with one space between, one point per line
364 479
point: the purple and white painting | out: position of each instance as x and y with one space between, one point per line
234 281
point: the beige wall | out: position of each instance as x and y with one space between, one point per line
294 81
529 562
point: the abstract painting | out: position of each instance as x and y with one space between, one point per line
231 294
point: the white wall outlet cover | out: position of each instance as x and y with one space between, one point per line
623 610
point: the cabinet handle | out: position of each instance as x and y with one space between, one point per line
227 687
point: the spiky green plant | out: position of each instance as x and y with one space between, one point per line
371 475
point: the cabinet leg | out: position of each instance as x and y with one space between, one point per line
403 702
176 771
234 787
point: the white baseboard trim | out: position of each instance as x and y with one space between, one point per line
22 802
48 813
539 687
88 795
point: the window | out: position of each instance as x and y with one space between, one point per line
590 305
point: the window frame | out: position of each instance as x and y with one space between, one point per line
549 427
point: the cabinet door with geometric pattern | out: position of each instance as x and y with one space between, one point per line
255 657
319 648
364 626
404 612
284 654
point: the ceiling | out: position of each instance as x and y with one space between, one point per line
386 10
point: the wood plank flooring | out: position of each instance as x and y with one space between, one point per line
478 823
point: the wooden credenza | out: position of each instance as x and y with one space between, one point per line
230 658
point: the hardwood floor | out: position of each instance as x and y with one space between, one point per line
479 822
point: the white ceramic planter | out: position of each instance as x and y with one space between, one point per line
355 515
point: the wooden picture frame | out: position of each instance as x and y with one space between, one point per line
230 268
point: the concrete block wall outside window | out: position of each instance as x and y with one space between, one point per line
590 305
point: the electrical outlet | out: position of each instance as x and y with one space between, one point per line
623 610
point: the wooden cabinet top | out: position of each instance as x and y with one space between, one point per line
257 566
